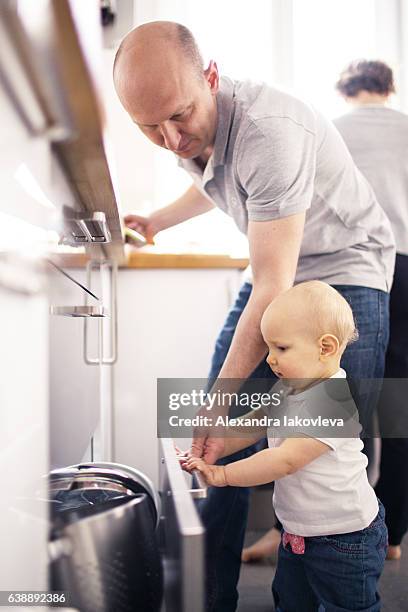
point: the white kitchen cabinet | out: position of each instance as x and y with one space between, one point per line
23 427
80 394
168 324
168 321
74 386
24 415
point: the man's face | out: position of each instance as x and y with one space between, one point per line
177 112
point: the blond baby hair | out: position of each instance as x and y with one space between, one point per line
327 310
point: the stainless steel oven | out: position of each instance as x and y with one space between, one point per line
181 536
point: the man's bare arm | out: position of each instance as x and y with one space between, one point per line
274 250
191 204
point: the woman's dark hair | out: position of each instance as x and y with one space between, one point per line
364 75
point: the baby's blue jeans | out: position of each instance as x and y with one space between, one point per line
335 573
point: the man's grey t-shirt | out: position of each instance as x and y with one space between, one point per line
377 138
273 157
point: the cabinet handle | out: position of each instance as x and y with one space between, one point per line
199 492
101 360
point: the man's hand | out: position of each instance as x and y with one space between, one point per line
214 475
204 444
207 447
143 225
190 204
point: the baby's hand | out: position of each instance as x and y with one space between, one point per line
214 475
183 457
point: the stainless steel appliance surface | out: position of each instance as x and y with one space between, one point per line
181 536
103 546
108 476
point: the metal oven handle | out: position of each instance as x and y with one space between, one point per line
199 492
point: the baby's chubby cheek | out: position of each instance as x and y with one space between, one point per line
299 372
292 370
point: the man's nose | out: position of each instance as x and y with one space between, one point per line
171 135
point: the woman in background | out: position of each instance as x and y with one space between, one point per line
377 138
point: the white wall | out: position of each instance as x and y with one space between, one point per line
403 36
133 154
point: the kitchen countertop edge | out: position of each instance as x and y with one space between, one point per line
140 259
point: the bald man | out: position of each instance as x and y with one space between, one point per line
283 173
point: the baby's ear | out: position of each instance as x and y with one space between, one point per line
328 345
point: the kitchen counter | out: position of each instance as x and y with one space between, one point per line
151 258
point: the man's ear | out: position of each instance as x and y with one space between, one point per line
212 77
328 346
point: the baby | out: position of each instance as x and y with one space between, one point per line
334 537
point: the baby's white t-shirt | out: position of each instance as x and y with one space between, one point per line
331 494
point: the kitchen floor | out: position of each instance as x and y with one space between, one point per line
255 583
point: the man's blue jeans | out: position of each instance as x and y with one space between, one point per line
224 512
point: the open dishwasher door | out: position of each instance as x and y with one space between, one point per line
181 536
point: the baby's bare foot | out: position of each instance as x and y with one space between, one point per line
266 546
393 553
